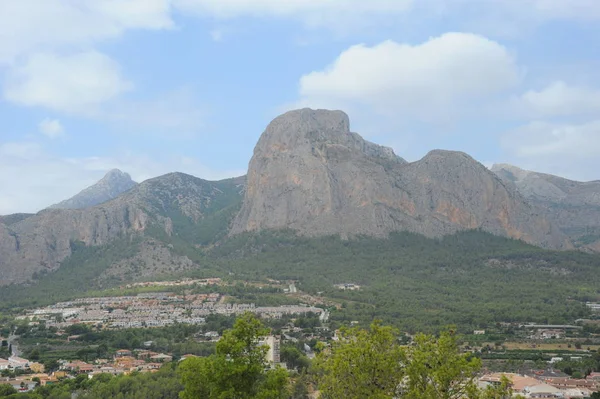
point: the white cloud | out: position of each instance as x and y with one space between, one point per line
28 26
73 83
560 99
35 36
424 80
571 150
51 128
32 178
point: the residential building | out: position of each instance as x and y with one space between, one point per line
18 363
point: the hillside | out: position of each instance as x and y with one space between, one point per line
472 279
571 205
8 220
173 207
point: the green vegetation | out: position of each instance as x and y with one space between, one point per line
43 345
372 364
471 279
161 385
77 275
237 370
363 364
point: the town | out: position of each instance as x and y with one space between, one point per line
157 309
123 334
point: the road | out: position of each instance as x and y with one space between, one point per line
12 342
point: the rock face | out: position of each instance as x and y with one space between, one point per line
571 205
109 187
42 241
311 174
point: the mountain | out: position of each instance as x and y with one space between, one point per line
110 186
151 216
311 174
14 218
571 205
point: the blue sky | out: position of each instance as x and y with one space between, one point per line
154 86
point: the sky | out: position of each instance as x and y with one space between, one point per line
157 86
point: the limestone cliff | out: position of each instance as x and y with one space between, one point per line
310 173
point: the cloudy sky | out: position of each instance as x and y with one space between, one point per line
154 86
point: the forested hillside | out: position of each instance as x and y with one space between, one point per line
468 279
471 279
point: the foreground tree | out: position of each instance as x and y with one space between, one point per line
237 370
372 364
362 364
437 370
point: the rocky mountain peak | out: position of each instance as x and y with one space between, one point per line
116 175
310 173
315 129
113 184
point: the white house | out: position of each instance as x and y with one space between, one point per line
18 363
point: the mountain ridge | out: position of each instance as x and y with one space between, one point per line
42 241
571 205
310 173
113 184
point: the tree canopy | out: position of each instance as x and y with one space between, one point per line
374 364
237 370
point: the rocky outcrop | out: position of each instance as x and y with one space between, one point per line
113 184
311 174
571 205
43 241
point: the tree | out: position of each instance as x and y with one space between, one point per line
293 357
51 365
502 391
6 390
300 388
237 370
34 355
362 364
372 364
437 370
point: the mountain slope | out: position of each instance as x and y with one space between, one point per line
311 174
573 206
110 186
172 207
14 218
